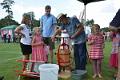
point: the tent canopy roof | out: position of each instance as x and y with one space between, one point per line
89 1
9 27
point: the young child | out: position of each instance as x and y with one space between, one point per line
39 52
115 36
96 42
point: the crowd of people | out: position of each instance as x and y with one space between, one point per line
6 38
44 37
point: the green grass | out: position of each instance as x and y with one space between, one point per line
10 52
8 55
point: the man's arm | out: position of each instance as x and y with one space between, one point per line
80 29
41 25
57 31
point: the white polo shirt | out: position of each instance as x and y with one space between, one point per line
27 32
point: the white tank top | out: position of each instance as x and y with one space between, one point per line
27 32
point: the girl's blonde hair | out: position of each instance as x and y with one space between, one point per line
35 28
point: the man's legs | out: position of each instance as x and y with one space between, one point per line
48 42
76 57
51 48
80 56
51 55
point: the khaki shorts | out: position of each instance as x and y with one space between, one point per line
48 41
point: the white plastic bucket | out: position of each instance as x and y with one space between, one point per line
49 71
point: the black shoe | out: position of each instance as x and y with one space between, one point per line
1 77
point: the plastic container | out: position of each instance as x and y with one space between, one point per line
49 71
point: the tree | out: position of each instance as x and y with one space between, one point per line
36 23
106 29
5 22
7 5
89 22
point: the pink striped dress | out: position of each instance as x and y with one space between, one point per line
39 52
96 49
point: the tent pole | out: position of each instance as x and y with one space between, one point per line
84 16
85 12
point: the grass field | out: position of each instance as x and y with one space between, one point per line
10 52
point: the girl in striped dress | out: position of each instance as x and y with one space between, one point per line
39 52
115 36
96 43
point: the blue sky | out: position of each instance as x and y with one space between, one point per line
102 12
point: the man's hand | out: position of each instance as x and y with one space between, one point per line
56 32
53 38
72 37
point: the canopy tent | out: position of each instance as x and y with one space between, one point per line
8 30
89 1
9 27
83 16
85 3
115 23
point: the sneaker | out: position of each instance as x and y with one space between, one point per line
1 77
99 75
94 76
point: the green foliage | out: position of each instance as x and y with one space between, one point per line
87 22
6 4
106 29
36 23
5 22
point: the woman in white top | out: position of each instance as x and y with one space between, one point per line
25 42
